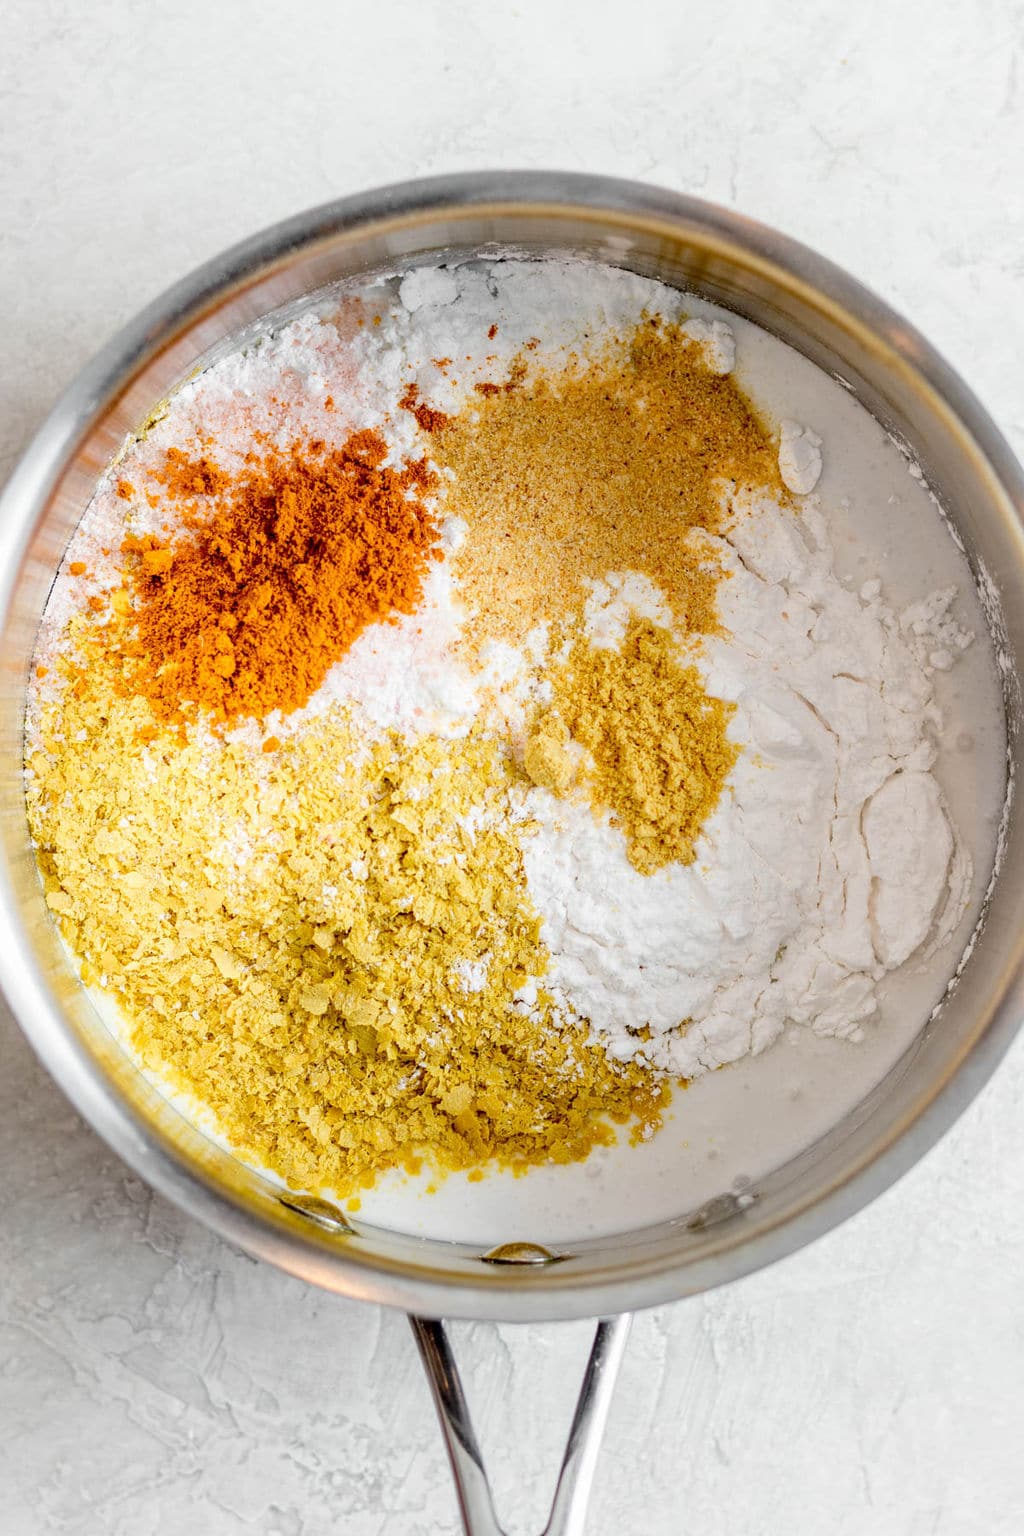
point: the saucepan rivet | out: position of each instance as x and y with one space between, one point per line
522 1253
720 1208
321 1212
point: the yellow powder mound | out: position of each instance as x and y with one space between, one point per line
600 469
322 943
657 741
545 758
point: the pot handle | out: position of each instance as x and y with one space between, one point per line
569 1506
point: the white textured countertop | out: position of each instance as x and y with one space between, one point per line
154 1382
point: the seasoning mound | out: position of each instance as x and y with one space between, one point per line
656 741
602 467
276 572
330 962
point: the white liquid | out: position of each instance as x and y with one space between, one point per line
743 1121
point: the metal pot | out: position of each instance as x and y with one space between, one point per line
899 378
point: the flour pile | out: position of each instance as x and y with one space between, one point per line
830 861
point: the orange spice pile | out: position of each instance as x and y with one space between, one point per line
278 571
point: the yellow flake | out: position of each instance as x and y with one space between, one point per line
316 1013
228 964
315 1000
458 1099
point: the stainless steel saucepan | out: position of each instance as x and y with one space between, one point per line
899 378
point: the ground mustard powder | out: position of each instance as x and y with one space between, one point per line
657 750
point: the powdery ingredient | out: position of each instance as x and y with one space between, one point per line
798 899
933 631
657 753
604 467
799 458
323 946
400 675
910 849
791 906
277 572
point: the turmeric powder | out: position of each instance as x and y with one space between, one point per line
248 609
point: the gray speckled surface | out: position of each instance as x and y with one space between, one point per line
152 1381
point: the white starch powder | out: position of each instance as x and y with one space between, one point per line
829 860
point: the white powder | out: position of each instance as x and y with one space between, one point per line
933 632
799 458
402 675
472 974
428 285
830 859
611 600
714 336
